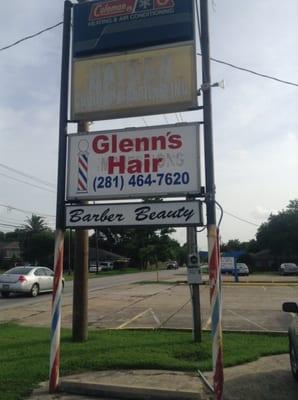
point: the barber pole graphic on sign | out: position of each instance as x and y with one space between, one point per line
82 186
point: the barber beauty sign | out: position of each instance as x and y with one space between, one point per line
134 163
169 213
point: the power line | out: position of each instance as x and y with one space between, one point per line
31 36
240 219
199 54
13 226
27 183
251 71
26 211
34 178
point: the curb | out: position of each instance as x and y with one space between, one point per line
126 392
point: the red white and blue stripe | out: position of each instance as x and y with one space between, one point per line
82 173
216 310
56 312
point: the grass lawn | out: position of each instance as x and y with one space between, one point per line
101 274
24 353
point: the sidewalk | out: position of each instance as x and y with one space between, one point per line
269 378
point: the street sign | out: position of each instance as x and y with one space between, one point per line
179 213
227 262
194 275
134 163
104 26
152 81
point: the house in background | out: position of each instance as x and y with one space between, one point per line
10 250
118 261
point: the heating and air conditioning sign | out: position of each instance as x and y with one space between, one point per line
104 26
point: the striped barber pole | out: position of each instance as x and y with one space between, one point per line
216 310
82 186
56 312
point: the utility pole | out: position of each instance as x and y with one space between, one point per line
80 278
60 206
213 237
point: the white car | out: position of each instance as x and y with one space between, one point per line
102 266
27 279
242 269
288 269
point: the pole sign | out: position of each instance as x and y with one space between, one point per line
181 213
134 163
226 264
151 81
104 26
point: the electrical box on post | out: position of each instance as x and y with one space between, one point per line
193 269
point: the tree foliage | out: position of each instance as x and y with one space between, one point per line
36 241
141 246
35 224
280 233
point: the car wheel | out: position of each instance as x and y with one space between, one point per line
5 294
293 361
34 290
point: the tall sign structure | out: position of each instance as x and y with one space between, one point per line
132 58
213 234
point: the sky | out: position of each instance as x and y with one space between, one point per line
255 120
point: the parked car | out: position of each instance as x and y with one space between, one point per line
172 265
293 336
27 279
242 269
102 266
288 269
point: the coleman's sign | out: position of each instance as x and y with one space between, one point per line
143 162
116 25
180 213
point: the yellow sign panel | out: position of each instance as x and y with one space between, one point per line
137 83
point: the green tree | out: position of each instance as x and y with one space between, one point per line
40 249
280 233
231 245
36 241
35 224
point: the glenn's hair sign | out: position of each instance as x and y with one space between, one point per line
180 213
143 162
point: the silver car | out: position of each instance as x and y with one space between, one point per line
288 269
292 308
27 279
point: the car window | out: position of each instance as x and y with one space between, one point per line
48 272
19 271
39 272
